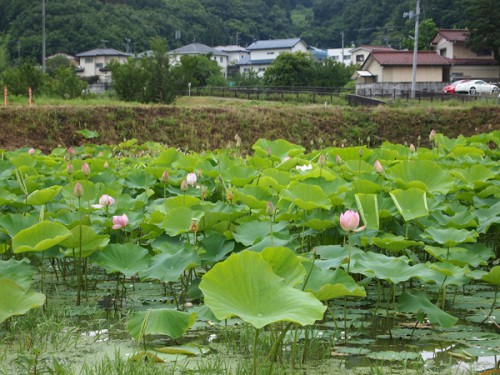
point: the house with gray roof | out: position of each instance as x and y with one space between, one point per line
94 63
264 52
194 49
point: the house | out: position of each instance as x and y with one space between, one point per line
235 53
361 53
465 63
264 52
195 49
397 67
94 63
342 55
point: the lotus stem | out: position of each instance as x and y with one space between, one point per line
257 331
492 305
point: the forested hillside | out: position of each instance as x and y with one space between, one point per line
74 26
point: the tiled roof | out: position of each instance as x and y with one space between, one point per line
454 36
274 44
372 48
399 58
102 52
472 61
231 48
196 49
246 61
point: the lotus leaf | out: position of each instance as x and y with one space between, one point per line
44 196
238 175
15 300
252 232
178 220
6 197
128 259
168 267
279 149
493 277
215 247
139 179
167 322
84 238
473 255
449 236
281 177
393 243
475 176
426 175
411 203
307 197
393 356
271 241
488 217
368 209
285 263
255 197
187 349
382 267
245 285
13 223
181 201
328 284
419 305
332 256
39 237
19 271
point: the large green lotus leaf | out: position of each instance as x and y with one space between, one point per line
272 241
39 237
90 191
332 256
475 176
473 255
307 197
139 179
389 241
19 271
255 197
214 213
441 274
178 220
357 167
6 170
167 157
468 152
419 305
267 183
393 269
422 174
460 219
411 203
326 284
245 285
167 322
493 277
281 177
13 223
85 237
488 217
15 300
448 269
285 263
167 267
368 209
44 196
128 259
279 149
181 201
317 219
449 236
215 247
252 232
238 175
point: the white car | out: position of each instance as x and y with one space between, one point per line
475 86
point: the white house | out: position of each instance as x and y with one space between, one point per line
194 49
94 63
342 55
264 52
361 53
235 53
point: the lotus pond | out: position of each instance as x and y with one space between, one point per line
143 259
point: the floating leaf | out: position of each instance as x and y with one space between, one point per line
245 285
169 322
419 305
393 356
15 300
39 237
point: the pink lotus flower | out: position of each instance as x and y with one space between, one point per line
85 169
349 221
378 167
106 200
69 168
71 150
31 151
191 179
120 221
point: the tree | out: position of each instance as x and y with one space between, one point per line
66 84
289 69
331 74
18 80
484 23
198 70
129 80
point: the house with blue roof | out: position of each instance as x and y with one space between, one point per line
264 52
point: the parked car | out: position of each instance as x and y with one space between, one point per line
475 86
450 89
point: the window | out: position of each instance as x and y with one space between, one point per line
89 60
442 52
360 58
262 69
221 59
270 53
336 58
99 65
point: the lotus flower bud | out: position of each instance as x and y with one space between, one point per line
361 152
69 168
106 200
338 159
194 226
322 160
71 151
120 221
106 165
270 209
378 167
85 169
203 193
432 135
184 185
412 148
191 179
165 176
349 221
78 190
229 195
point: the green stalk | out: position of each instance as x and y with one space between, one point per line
492 305
257 331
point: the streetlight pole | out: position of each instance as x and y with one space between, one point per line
415 53
44 68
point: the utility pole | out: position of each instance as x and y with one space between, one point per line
342 57
415 53
44 68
